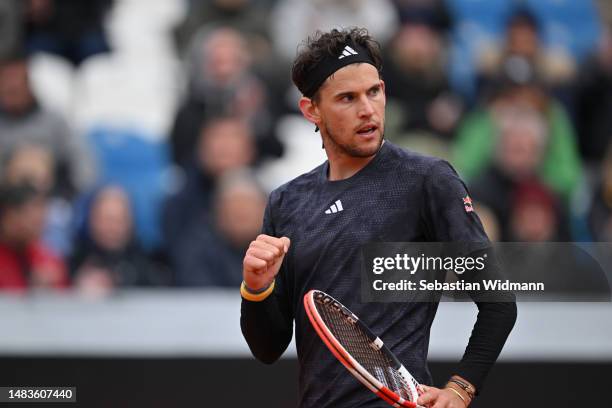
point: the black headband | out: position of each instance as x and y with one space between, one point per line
351 53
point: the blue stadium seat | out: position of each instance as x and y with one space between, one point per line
477 22
462 70
489 15
572 24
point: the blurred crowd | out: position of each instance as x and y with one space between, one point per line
139 138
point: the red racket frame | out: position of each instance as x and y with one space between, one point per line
389 396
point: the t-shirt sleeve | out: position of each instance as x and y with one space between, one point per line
267 326
450 217
447 211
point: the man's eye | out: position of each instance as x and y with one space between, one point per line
374 91
347 98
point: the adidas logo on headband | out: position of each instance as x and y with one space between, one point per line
331 62
347 52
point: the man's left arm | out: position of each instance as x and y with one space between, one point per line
493 325
450 217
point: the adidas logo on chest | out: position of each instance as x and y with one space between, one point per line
335 208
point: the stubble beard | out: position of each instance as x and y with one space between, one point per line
351 149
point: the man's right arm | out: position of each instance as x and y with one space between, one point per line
266 319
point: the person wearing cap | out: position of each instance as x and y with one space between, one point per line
368 190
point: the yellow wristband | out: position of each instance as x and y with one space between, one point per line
458 394
255 297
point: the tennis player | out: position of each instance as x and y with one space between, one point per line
367 191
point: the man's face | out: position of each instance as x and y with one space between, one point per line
523 40
351 109
24 224
225 57
225 146
15 94
521 151
239 212
533 222
111 219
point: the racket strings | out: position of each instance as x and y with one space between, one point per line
358 344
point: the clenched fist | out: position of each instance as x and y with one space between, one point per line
263 260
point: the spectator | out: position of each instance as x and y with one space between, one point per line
107 254
24 121
24 261
72 29
522 46
221 83
534 216
594 102
35 165
210 251
415 74
224 145
32 164
519 151
249 17
474 144
568 272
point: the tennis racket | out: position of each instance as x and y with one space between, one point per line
360 351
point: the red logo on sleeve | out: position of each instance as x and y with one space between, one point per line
467 204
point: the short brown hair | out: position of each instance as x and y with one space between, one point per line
323 44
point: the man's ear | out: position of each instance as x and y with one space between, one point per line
310 110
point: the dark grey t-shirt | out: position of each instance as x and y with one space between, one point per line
398 196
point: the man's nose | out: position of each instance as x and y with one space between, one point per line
365 107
